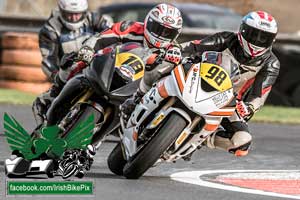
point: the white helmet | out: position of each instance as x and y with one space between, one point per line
72 12
257 33
162 25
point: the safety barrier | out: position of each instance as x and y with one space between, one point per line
20 63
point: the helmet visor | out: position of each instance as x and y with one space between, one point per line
72 17
256 36
160 31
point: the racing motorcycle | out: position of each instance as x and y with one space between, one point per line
113 76
176 116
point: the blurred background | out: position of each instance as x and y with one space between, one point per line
286 12
20 20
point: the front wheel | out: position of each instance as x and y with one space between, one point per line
153 150
116 161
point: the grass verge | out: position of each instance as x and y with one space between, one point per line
277 114
16 97
268 114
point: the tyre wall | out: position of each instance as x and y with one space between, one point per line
20 63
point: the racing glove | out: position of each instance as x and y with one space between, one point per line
245 110
86 54
173 54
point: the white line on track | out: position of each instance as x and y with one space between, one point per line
194 177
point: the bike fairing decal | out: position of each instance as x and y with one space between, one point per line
215 76
48 140
130 64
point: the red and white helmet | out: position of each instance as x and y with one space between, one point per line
162 25
257 33
72 12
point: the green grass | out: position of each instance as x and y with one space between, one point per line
268 114
276 114
16 97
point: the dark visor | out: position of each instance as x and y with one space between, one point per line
257 37
161 31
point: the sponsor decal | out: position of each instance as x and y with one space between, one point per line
220 99
168 19
267 24
193 79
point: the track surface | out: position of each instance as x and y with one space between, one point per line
276 147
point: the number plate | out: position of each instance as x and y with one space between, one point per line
215 76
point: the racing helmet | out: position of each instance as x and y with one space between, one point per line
162 25
72 13
257 33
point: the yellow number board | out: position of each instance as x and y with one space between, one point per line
215 76
132 63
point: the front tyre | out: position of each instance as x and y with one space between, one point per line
116 161
153 150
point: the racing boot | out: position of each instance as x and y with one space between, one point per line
237 143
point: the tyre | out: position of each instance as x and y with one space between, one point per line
152 151
14 40
21 57
22 73
116 161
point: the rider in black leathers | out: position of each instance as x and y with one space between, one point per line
58 37
259 68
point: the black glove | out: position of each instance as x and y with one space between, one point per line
68 60
129 104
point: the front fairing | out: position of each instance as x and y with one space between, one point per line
201 97
113 70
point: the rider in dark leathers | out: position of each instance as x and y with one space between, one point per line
63 33
156 36
259 68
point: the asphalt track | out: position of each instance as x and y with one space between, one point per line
276 147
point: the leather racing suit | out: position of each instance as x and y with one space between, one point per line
257 75
55 41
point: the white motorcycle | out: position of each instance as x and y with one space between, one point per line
176 116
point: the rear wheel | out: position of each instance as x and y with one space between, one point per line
116 161
152 151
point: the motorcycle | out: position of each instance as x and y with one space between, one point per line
113 76
176 116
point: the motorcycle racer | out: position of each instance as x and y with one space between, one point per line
63 33
161 27
259 68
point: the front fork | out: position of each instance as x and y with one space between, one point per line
189 141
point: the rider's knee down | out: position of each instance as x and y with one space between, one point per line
238 143
241 142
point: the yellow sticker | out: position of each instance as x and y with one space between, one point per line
215 76
181 138
131 64
158 119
